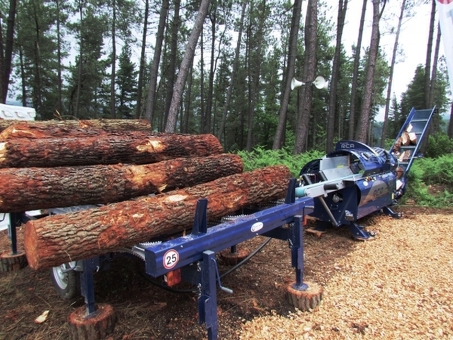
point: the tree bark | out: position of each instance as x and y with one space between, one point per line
355 73
57 239
27 189
135 147
342 8
450 124
303 116
68 128
429 54
279 138
8 57
362 131
149 109
185 65
170 69
233 72
390 79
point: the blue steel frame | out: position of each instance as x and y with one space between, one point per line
283 222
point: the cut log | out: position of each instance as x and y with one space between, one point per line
71 128
11 262
57 239
405 139
413 138
135 147
25 189
304 300
92 327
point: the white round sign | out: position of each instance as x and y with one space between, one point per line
170 259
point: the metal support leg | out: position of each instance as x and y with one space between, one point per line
13 232
391 213
15 219
207 301
87 284
297 253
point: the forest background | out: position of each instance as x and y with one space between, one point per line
74 59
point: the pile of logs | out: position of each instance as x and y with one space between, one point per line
407 138
146 185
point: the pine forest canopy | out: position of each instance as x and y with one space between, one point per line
127 59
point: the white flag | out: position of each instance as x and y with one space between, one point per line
445 9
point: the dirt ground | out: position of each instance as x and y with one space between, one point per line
395 286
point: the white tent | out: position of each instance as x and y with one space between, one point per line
17 112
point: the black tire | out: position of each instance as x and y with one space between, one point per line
66 283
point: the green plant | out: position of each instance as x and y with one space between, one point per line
430 182
439 144
260 157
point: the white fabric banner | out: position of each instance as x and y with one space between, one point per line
445 9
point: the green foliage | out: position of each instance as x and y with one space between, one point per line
259 158
438 171
439 144
430 182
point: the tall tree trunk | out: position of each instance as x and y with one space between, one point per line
355 72
207 126
292 50
79 80
390 79
429 53
303 117
8 56
255 69
365 109
59 105
171 70
151 97
233 73
187 107
432 86
141 71
185 66
202 91
22 73
2 63
37 97
450 125
342 8
113 75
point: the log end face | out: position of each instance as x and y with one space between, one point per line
30 245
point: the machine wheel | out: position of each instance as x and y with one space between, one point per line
66 281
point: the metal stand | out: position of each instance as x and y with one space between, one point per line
297 253
87 284
282 222
207 301
15 220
